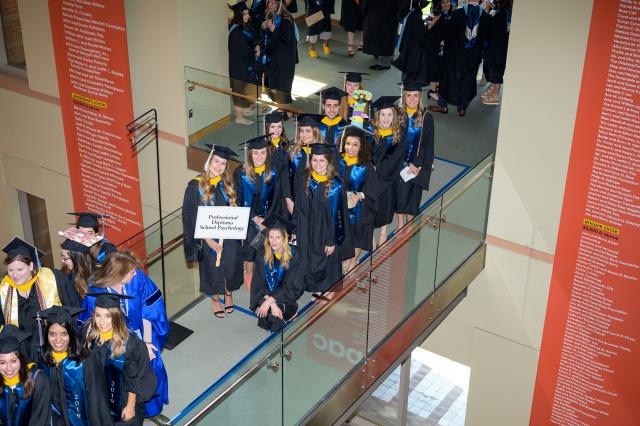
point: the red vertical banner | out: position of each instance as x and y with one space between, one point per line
92 63
588 371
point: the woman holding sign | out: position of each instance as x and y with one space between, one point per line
220 262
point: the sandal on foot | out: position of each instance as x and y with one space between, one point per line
350 51
313 54
228 308
217 313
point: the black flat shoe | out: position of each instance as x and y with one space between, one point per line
462 112
378 67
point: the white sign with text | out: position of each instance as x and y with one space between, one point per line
215 222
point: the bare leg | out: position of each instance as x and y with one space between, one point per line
218 311
383 234
402 219
248 268
350 37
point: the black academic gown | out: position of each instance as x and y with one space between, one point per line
281 58
133 375
327 7
351 18
435 37
286 290
257 12
414 60
380 26
388 159
212 278
361 178
242 60
458 84
34 410
315 229
498 45
409 193
92 389
250 195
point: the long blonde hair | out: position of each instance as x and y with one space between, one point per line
119 327
227 184
419 112
331 173
115 267
317 138
249 167
395 125
286 250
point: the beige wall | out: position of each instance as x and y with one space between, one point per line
163 37
497 329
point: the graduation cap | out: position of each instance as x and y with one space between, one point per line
352 76
274 117
11 338
89 219
331 93
71 245
109 300
412 86
259 142
239 7
59 314
312 120
275 221
322 148
384 102
19 247
220 151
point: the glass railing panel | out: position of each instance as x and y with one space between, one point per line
465 208
215 104
250 394
325 344
403 273
180 284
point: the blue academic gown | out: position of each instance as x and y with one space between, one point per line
147 304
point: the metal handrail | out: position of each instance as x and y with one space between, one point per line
402 239
228 92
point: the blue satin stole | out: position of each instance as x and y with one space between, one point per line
355 183
266 193
113 370
275 275
20 414
335 201
413 140
213 202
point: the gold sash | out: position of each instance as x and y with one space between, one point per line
45 287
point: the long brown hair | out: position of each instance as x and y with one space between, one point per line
395 125
119 328
82 270
249 167
419 112
331 173
227 184
364 153
116 266
284 139
286 250
28 384
317 138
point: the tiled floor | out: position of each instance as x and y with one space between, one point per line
438 393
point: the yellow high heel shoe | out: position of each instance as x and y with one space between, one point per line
326 49
313 54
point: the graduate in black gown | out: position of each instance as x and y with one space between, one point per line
380 30
214 187
78 388
496 61
414 60
29 288
352 20
307 133
77 264
464 36
123 358
333 102
388 156
89 223
352 82
360 181
435 39
418 133
321 220
243 64
279 50
279 143
277 281
261 187
321 29
25 394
